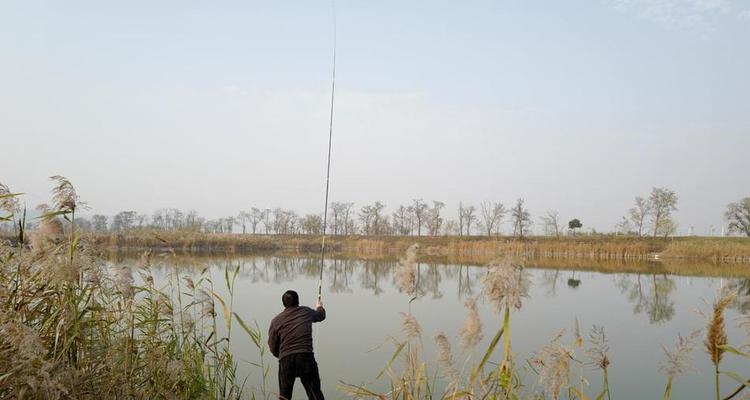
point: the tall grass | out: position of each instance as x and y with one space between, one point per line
74 327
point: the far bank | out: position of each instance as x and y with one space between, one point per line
467 248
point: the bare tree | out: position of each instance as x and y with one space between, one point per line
256 216
738 215
402 220
623 226
99 223
123 221
637 215
551 223
336 211
492 216
667 227
451 228
229 223
460 218
469 218
373 222
346 218
267 220
420 214
662 202
312 224
243 217
521 219
435 220
193 221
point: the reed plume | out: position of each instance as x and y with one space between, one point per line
716 334
8 203
206 300
405 276
74 339
598 352
506 283
471 332
578 338
410 325
124 281
554 367
598 355
64 196
26 371
445 359
677 361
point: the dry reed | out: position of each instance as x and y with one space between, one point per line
677 361
554 366
445 359
405 276
716 334
506 283
471 332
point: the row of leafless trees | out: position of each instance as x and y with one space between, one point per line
650 215
418 218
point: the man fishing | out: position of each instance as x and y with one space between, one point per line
290 340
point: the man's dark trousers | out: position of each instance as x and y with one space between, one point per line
303 366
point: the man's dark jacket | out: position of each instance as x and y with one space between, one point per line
291 330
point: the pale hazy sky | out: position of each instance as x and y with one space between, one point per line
576 106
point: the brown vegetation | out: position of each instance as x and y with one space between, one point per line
477 249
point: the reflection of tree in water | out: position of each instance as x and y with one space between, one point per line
573 282
255 270
650 294
742 288
284 269
372 273
465 283
428 280
339 274
549 280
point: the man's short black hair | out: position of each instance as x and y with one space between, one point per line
290 298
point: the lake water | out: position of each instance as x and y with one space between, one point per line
639 312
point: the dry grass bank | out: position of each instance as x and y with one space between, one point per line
454 249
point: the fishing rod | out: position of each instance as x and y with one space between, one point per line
328 167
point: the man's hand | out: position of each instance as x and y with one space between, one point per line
318 304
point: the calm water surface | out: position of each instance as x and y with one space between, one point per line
639 312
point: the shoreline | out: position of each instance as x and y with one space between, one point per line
476 249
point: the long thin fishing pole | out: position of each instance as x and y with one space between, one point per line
328 167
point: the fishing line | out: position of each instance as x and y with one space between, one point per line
328 167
